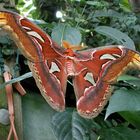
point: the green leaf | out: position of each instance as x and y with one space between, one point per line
69 125
107 13
125 5
4 39
94 3
26 8
130 80
124 100
116 35
119 133
64 32
127 77
99 4
132 117
134 83
37 116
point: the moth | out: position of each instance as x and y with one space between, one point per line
92 70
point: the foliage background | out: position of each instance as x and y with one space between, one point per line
94 23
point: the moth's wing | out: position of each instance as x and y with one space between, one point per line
42 40
33 43
92 84
58 70
54 77
37 46
50 86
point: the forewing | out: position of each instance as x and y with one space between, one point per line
33 43
42 40
38 48
92 85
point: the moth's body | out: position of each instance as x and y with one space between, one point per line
92 71
69 61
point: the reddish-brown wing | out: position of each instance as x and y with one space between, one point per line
92 84
37 46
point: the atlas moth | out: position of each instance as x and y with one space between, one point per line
92 70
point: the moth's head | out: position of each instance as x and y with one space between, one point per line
67 45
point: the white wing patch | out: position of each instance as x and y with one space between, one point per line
54 67
37 43
89 77
117 55
107 56
26 28
105 64
35 34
